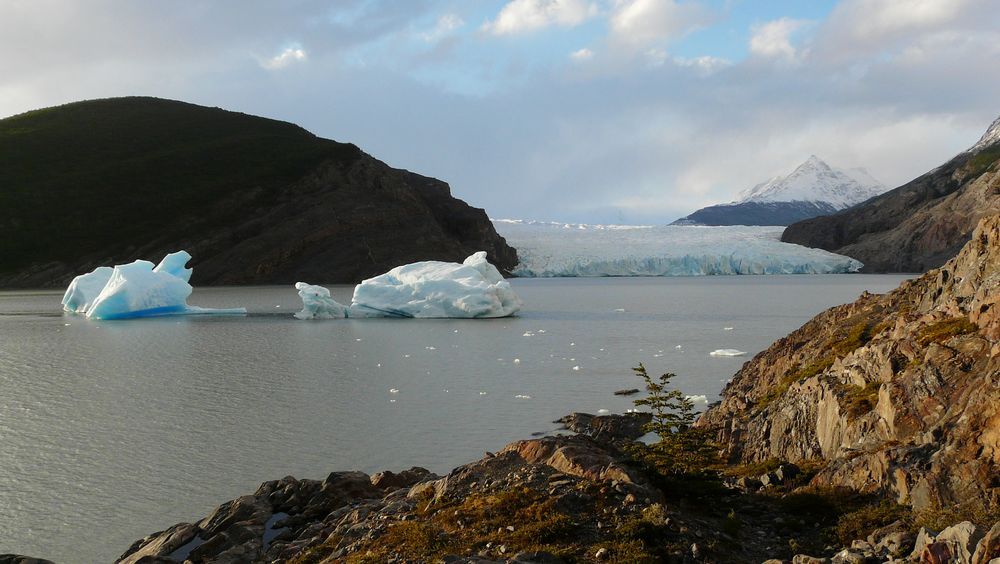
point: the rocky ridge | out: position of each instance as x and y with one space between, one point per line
898 394
918 225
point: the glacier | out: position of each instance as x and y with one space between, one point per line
137 289
427 289
547 249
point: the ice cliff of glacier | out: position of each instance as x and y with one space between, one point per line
556 249
137 289
428 289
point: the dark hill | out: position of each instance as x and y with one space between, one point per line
254 200
919 225
757 213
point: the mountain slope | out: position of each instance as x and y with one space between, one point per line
919 225
814 188
254 200
897 394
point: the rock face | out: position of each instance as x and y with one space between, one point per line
256 201
919 225
900 392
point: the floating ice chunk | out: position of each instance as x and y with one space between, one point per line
137 289
85 288
394 390
522 396
697 399
473 289
603 411
576 368
727 352
175 264
317 303
727 328
517 361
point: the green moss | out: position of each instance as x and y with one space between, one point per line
857 401
860 522
792 376
945 329
983 161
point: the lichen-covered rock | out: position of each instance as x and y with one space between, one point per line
900 392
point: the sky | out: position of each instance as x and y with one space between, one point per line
613 111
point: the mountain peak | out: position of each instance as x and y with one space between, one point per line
991 136
816 181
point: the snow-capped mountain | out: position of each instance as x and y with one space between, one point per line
814 188
816 181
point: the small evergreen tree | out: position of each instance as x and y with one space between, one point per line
682 448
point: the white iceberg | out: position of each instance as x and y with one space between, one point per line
556 249
473 289
85 288
317 303
428 289
727 352
137 289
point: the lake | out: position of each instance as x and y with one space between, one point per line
113 430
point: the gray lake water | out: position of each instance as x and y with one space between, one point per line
113 430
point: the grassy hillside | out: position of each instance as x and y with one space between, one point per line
76 178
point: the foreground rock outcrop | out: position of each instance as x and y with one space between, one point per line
897 394
919 225
254 200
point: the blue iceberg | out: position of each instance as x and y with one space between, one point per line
137 289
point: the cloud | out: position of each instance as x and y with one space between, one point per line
581 55
290 55
523 16
867 19
774 38
644 22
445 26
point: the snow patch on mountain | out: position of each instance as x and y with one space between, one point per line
991 136
816 181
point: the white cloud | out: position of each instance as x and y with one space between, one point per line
656 57
522 16
287 57
875 18
705 65
644 22
445 26
581 55
774 38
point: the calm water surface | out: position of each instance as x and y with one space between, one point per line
112 430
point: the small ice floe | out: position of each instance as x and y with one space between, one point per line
576 368
602 350
697 399
482 393
392 401
522 396
406 356
446 391
393 390
657 355
727 328
431 348
603 411
358 339
540 331
455 331
528 334
572 344
679 347
517 361
620 310
727 352
277 306
65 324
